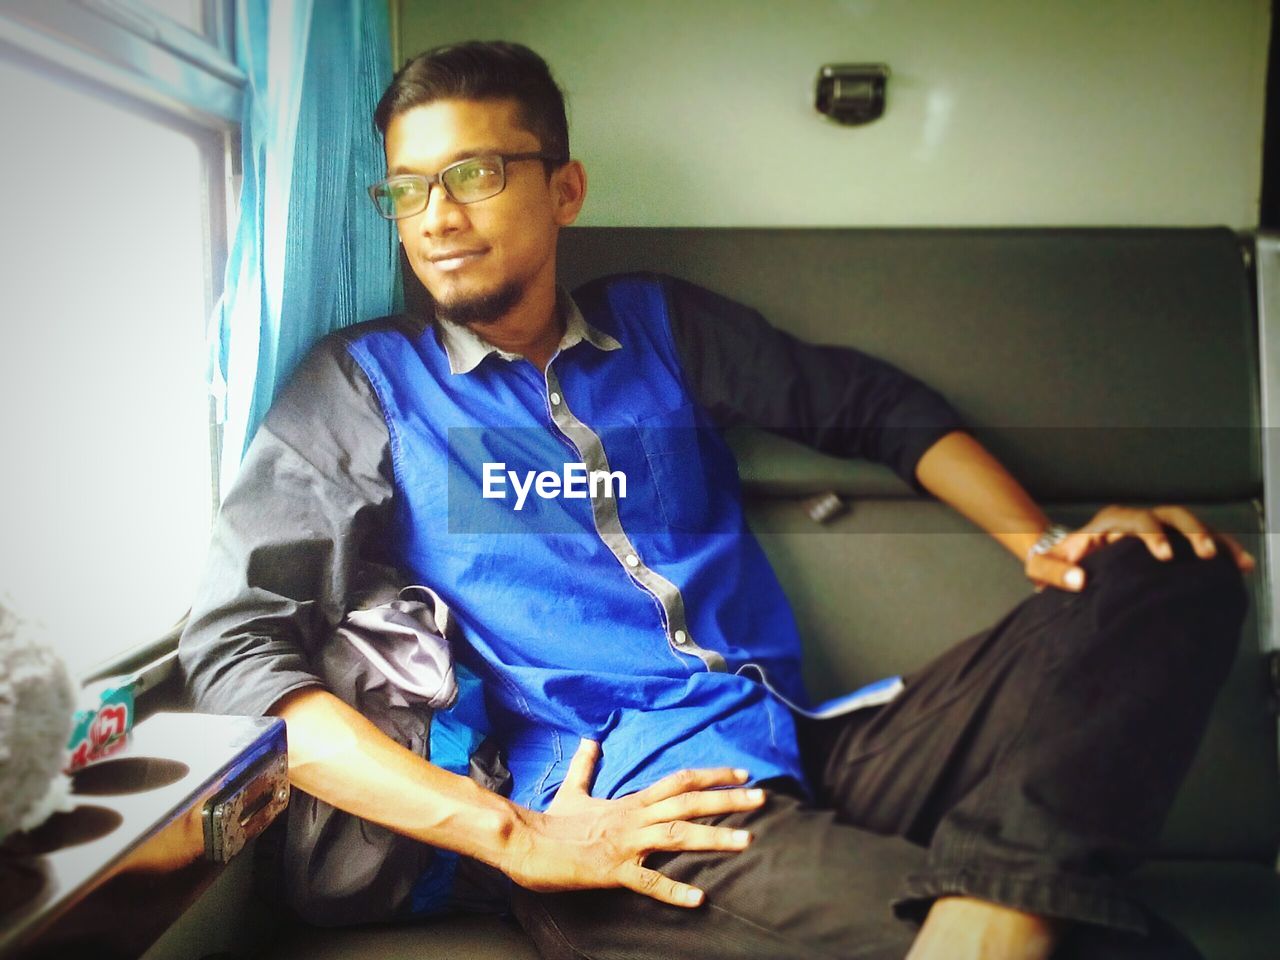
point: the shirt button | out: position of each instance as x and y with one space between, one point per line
681 638
633 560
555 398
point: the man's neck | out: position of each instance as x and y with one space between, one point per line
532 328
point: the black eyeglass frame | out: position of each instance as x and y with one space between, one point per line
438 178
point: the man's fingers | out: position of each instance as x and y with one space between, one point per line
1079 543
684 781
678 835
1059 567
1243 558
581 768
1203 538
1190 526
1158 544
705 803
653 884
1056 572
1126 521
1144 525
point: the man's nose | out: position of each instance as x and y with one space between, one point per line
443 214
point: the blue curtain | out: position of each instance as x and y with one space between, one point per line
310 253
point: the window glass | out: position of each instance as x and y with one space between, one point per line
105 491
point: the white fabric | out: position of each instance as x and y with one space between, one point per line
37 704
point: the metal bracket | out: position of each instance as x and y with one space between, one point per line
245 807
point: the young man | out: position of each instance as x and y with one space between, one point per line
640 661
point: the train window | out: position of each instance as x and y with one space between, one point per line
103 405
115 204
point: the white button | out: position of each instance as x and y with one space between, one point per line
633 560
681 638
555 398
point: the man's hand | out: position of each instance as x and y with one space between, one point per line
582 842
1057 567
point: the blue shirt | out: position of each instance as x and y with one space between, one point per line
646 621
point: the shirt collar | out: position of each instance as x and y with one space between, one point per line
465 348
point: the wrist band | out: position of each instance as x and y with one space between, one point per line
1055 533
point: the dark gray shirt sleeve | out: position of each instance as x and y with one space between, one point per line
836 399
287 548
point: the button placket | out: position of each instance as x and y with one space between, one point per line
608 526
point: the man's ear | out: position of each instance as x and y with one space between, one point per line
569 190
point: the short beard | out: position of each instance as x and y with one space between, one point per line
480 309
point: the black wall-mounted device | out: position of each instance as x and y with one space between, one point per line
852 93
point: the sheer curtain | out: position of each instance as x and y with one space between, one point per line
310 254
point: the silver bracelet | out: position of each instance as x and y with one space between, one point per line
1054 534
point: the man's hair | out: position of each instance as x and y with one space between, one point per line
482 70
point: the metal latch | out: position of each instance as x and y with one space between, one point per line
245 807
825 507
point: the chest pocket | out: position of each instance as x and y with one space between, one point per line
674 451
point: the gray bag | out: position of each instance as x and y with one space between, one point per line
390 659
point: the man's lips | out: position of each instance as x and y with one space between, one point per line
453 259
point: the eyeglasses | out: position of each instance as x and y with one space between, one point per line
476 178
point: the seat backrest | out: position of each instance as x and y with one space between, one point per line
1100 365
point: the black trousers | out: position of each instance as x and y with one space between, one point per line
1032 765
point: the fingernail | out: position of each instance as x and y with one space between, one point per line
693 897
1075 578
741 837
755 795
741 774
1165 551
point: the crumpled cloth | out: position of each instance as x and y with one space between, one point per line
390 659
37 703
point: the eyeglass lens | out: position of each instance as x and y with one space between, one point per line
466 182
473 180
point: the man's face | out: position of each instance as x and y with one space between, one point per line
478 260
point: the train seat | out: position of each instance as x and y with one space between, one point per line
1102 366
